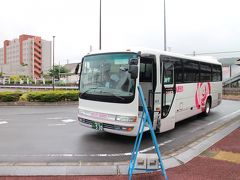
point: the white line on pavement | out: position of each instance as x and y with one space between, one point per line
54 118
68 120
3 122
59 124
222 119
83 155
153 147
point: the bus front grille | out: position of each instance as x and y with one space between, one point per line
106 125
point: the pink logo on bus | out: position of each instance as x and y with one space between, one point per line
202 92
98 115
179 89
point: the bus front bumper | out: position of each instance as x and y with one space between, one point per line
129 130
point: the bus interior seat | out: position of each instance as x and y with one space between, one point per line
124 82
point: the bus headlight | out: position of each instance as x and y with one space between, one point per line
80 111
126 118
83 112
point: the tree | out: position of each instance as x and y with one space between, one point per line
15 79
58 69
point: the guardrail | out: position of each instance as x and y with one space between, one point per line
231 91
231 80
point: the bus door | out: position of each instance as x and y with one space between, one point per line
168 94
147 81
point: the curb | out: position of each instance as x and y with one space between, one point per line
231 98
175 159
38 103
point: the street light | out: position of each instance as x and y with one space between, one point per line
59 71
165 38
100 26
53 80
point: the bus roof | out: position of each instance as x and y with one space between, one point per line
207 59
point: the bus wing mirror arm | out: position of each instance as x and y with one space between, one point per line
133 68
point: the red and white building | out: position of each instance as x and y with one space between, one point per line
29 55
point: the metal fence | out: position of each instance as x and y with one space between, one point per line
231 91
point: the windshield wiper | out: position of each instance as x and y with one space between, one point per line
117 96
100 90
88 90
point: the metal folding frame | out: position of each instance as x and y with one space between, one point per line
145 119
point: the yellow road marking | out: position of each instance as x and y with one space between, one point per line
228 156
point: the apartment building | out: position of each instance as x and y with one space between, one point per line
29 55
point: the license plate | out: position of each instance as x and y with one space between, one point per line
98 126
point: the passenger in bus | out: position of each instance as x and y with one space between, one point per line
124 82
110 81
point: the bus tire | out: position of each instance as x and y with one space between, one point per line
207 107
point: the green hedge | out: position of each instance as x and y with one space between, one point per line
10 96
40 96
51 96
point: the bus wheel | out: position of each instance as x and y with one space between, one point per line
207 108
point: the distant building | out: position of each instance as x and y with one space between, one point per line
231 67
70 77
28 55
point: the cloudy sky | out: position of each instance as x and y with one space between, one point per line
192 25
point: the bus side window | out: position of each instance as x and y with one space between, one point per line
178 68
191 71
205 72
146 72
168 73
216 73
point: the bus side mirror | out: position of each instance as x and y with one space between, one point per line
77 68
133 68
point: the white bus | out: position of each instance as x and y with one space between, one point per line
175 87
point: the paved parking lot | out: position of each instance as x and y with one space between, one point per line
52 134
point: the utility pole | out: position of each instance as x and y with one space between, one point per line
165 38
53 79
90 49
100 26
59 71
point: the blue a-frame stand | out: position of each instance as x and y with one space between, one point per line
145 119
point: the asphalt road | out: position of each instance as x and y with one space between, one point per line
53 134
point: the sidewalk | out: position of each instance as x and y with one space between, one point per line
219 162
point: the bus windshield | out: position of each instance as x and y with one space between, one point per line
105 77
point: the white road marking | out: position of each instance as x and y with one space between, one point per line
3 122
59 124
222 119
68 120
84 155
64 155
153 147
211 123
54 118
